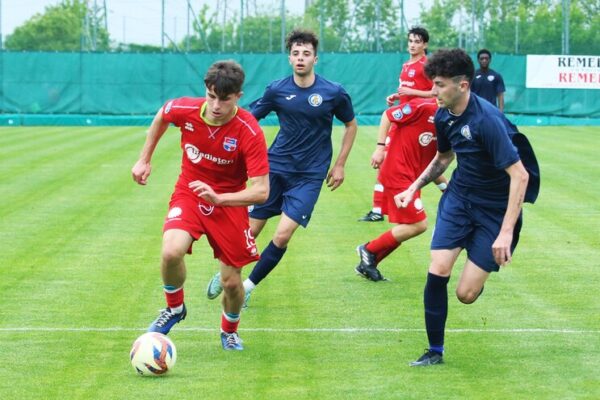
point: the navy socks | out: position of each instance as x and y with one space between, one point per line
435 300
269 259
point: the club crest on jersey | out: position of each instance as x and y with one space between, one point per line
466 132
425 138
315 100
168 107
397 114
406 109
230 144
411 73
490 78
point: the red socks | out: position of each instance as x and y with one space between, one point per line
383 245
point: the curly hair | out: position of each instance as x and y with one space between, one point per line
225 78
450 63
301 36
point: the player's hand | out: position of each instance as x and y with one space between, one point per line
205 191
403 199
335 177
378 157
501 248
391 99
140 172
404 91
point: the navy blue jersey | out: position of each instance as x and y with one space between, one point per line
488 85
303 143
481 137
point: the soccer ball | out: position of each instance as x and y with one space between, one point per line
153 354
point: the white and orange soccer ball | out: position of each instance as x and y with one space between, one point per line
153 354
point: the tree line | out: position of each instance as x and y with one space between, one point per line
503 26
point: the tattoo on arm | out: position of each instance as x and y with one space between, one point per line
433 171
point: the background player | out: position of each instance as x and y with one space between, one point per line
223 147
487 82
411 149
301 153
481 210
412 83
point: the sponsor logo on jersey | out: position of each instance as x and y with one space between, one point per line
406 109
189 126
195 156
466 132
490 78
291 96
425 138
411 73
397 114
168 107
315 100
430 119
230 144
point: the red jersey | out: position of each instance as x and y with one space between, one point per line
222 156
413 76
413 145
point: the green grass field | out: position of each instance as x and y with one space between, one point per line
79 251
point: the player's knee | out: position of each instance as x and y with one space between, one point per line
171 255
468 295
420 227
281 239
231 283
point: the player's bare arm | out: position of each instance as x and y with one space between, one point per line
434 170
379 152
142 168
518 184
256 193
335 177
405 91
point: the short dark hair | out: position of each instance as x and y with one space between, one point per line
419 31
484 51
225 78
301 36
449 63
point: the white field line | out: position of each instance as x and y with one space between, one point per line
305 330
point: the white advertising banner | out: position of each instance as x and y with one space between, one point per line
563 72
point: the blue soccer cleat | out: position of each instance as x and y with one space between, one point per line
214 288
246 299
231 341
166 320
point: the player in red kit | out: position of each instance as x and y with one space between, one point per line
223 148
413 83
410 150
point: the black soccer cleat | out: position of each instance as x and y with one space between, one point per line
367 267
427 359
371 217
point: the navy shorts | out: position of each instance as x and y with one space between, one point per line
294 195
466 225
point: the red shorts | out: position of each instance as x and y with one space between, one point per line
415 212
226 228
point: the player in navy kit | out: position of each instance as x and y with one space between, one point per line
301 154
481 209
488 83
